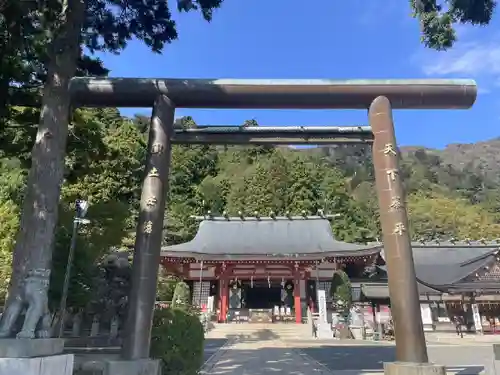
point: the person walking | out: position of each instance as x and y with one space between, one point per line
458 325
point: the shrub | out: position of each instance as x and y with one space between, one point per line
177 340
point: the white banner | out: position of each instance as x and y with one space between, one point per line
322 306
425 311
477 318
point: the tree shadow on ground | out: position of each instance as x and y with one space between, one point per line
351 360
371 358
260 361
258 335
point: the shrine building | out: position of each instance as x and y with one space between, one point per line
265 268
269 269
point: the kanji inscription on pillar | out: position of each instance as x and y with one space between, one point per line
396 204
151 201
153 172
148 227
392 173
157 148
399 229
389 149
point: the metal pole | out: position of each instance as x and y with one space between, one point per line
405 303
67 275
149 233
201 278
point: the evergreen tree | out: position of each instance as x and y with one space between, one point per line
267 185
66 27
190 166
182 296
304 186
341 292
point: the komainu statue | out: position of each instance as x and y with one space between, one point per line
34 298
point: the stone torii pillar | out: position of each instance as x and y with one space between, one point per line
411 350
149 236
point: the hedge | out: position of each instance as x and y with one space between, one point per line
177 339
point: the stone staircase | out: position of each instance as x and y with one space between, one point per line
261 331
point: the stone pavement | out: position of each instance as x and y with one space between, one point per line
260 357
264 356
369 359
264 349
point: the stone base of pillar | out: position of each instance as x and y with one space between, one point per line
34 357
137 367
407 368
496 358
55 364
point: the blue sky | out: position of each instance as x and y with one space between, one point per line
353 39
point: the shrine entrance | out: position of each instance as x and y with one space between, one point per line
262 294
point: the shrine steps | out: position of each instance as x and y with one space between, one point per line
261 331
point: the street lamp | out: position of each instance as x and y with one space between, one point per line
81 208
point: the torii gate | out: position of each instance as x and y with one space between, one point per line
378 96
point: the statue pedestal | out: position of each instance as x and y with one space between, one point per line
324 331
496 358
34 357
137 367
358 332
405 368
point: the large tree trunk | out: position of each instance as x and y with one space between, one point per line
35 239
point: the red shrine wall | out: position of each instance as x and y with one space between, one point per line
224 274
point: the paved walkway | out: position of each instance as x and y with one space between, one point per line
271 350
468 339
260 357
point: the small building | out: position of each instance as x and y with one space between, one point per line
459 279
269 269
454 279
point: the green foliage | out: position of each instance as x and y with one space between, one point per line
104 165
438 18
166 286
13 179
341 291
191 164
182 296
105 155
434 216
9 223
177 340
105 231
47 37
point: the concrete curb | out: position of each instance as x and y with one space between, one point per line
323 368
214 358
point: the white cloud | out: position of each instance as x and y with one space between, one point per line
471 59
476 58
